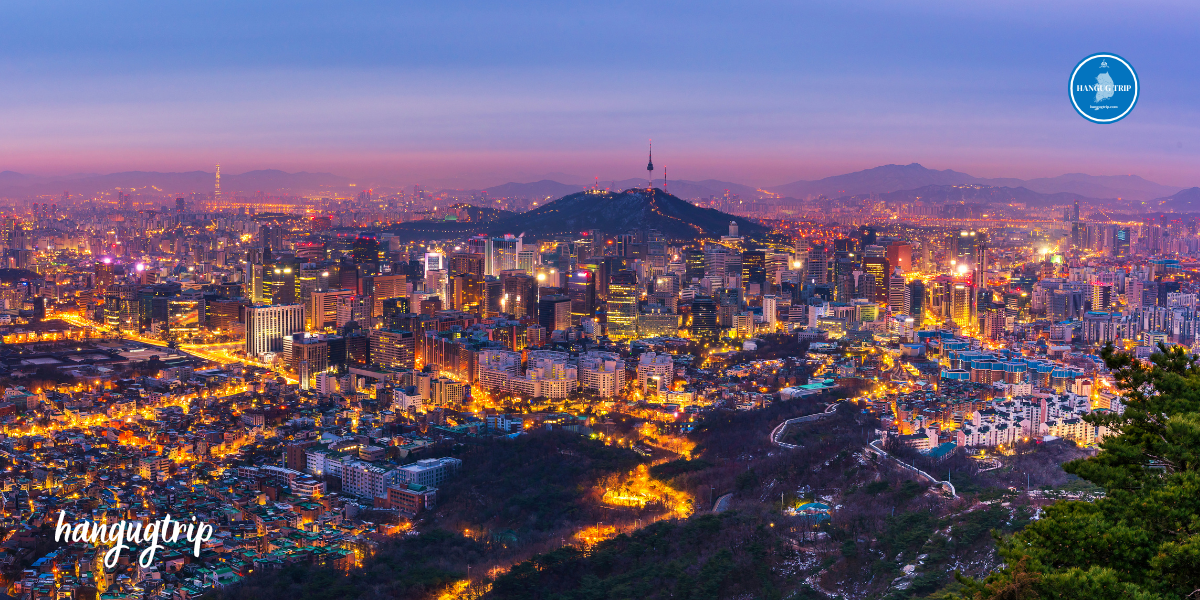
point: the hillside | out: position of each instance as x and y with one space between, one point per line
879 180
1184 201
893 178
609 212
619 212
983 194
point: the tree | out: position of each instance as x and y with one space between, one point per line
1142 540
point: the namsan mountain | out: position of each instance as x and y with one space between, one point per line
618 212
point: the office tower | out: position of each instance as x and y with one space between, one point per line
179 206
528 261
1101 296
365 249
899 255
393 310
518 294
846 283
434 261
581 288
356 309
624 245
393 348
979 262
818 265
960 305
381 287
770 308
704 319
716 259
733 229
504 253
754 269
1122 241
267 325
278 285
875 269
554 312
465 292
694 264
482 245
622 305
867 236
271 236
916 301
105 274
962 252
466 262
322 310
898 295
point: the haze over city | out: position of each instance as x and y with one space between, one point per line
353 301
470 95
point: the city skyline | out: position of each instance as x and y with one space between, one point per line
466 96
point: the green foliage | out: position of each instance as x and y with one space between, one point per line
675 468
877 487
534 482
906 532
746 480
1143 539
710 556
411 567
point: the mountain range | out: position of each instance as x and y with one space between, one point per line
878 180
892 178
608 212
267 180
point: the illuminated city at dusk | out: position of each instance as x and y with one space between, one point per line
867 301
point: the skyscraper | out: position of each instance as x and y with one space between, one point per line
769 310
704 319
876 270
504 253
266 326
622 305
554 312
582 290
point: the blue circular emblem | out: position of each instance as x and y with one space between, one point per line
1104 88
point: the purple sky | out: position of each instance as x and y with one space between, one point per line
479 93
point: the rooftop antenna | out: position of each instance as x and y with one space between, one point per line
650 168
664 179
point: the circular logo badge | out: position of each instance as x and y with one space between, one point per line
1104 88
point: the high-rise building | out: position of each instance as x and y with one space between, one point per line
875 270
754 269
323 308
704 319
916 299
393 348
622 305
518 294
554 312
504 253
528 261
818 265
693 261
365 249
898 294
581 288
266 326
769 310
466 262
899 255
960 304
